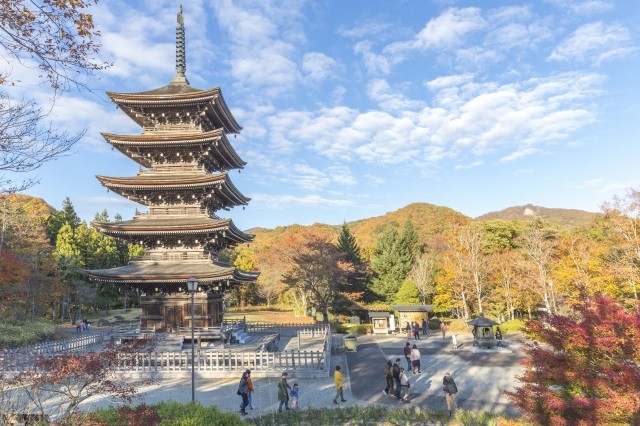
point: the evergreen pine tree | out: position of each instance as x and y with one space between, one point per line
57 219
347 244
393 259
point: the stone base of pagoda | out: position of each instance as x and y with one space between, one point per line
170 312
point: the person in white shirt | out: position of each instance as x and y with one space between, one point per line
404 385
415 359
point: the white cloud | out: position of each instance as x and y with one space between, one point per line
318 66
264 39
518 155
447 31
370 28
476 118
584 7
469 166
282 202
390 100
375 63
374 180
594 42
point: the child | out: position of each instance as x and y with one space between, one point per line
295 393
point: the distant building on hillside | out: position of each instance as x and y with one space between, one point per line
185 157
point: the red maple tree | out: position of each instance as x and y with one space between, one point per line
583 369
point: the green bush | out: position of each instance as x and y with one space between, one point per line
163 414
511 326
361 328
24 332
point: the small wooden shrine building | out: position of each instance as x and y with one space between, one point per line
411 313
382 322
185 156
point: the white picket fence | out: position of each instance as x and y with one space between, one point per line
225 361
262 362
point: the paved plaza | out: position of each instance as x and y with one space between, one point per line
481 375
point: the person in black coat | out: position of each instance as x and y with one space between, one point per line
244 393
396 377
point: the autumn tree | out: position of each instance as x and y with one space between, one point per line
423 274
24 246
57 38
581 268
63 382
470 265
316 268
539 245
582 369
623 216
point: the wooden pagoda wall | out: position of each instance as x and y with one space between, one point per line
168 312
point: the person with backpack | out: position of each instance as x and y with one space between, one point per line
450 390
388 375
243 393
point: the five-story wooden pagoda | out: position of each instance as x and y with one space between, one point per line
184 155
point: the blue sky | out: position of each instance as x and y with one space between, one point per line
352 109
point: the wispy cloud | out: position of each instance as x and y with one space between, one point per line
584 7
469 166
594 42
280 202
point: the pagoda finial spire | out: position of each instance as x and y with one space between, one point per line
181 61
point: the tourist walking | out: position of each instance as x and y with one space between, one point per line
250 389
499 336
388 375
242 391
425 328
450 390
396 378
443 329
415 359
283 392
416 331
404 385
337 377
295 394
407 354
408 330
454 340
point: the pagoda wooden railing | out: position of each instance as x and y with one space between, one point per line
165 211
171 128
177 168
184 255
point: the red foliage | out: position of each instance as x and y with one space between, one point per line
583 369
139 416
71 378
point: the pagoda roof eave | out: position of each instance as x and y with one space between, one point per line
154 98
172 226
216 138
150 272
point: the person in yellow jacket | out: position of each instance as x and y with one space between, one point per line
337 376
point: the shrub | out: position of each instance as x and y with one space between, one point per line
24 332
164 413
511 326
361 328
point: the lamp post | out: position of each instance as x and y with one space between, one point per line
192 286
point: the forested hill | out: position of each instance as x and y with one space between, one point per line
565 217
429 220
